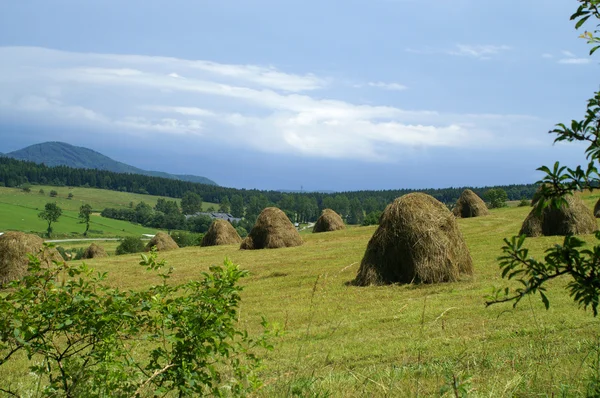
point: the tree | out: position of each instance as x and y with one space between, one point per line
237 206
356 215
50 214
191 203
225 206
79 335
496 198
130 244
70 195
570 258
85 211
53 194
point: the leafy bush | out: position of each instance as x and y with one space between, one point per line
372 218
53 193
496 198
524 203
82 337
184 239
129 245
70 254
242 232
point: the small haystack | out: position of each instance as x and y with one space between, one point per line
221 232
575 219
14 247
418 240
329 221
273 229
94 251
162 241
470 205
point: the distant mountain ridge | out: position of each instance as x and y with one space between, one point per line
63 154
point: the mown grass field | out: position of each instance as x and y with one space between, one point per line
19 210
394 341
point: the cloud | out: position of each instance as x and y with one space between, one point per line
574 61
388 86
245 106
483 52
478 51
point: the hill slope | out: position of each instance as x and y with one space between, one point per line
63 154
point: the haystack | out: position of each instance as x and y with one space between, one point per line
597 209
470 205
14 247
329 221
221 232
573 219
418 240
162 241
94 251
273 229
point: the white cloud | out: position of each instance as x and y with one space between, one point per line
388 86
568 54
574 61
249 106
478 51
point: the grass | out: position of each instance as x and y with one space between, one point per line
401 340
19 211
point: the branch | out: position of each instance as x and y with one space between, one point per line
144 384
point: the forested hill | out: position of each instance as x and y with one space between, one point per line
14 173
63 154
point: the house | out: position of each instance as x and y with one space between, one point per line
216 216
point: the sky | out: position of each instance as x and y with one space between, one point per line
312 94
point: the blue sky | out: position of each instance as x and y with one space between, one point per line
271 94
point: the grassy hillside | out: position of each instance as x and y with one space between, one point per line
19 210
344 341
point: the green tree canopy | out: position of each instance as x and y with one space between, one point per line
191 203
50 214
85 211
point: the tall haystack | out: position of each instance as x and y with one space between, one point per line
14 247
221 232
573 219
418 240
273 229
470 205
329 221
162 241
597 209
94 251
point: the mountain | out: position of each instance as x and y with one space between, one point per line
63 154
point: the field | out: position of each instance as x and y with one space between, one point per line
344 341
19 210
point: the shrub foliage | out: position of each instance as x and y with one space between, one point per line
84 338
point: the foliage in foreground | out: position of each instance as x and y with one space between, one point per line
84 338
581 264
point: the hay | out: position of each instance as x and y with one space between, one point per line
418 240
273 229
94 251
470 205
329 221
597 209
14 247
574 219
221 232
162 241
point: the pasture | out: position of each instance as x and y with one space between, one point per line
401 340
19 210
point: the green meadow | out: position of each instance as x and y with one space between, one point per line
338 340
19 210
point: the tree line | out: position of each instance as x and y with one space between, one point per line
355 206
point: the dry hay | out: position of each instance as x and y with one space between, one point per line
162 241
574 219
273 229
329 221
14 247
597 209
221 232
470 205
418 240
94 251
